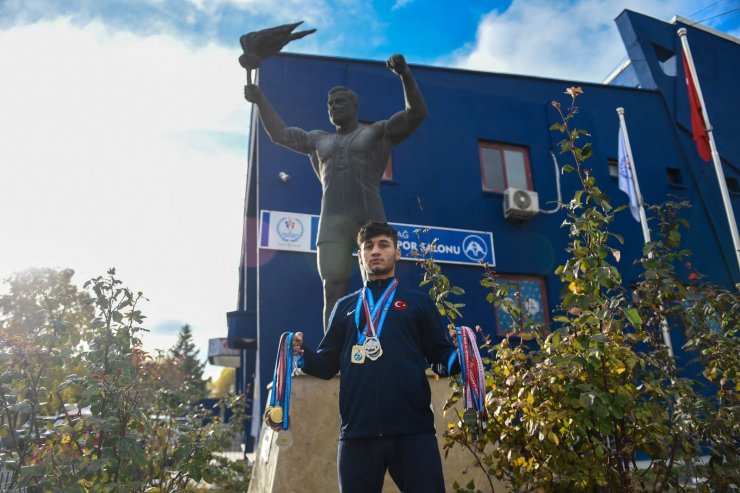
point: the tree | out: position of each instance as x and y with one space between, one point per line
124 433
224 384
184 355
577 407
43 318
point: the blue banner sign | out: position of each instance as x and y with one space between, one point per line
297 232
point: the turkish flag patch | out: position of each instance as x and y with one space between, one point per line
400 305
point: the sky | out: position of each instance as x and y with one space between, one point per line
123 128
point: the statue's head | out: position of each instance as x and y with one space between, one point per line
342 105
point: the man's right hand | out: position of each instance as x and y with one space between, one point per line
252 93
297 343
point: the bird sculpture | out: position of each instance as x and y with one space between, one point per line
259 45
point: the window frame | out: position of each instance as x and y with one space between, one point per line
501 147
518 278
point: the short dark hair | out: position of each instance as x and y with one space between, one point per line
353 97
376 228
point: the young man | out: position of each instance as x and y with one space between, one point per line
382 338
350 164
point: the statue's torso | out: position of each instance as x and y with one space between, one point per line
350 167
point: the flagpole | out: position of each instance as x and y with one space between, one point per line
643 217
635 182
715 155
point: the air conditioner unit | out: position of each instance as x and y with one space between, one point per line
520 204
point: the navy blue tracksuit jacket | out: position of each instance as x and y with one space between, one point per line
389 396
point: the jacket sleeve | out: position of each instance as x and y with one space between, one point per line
435 343
324 362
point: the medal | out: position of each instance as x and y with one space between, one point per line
358 355
470 418
372 348
277 412
284 439
374 318
274 417
474 382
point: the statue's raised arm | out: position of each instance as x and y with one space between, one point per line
403 123
293 138
258 46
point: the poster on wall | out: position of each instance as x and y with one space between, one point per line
288 231
297 232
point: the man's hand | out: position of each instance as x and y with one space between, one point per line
252 93
297 343
397 65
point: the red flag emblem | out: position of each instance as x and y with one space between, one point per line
400 305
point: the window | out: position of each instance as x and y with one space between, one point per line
613 169
529 293
388 173
732 185
675 178
504 166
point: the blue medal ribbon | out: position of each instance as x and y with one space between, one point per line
282 376
366 298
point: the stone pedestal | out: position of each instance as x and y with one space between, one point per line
310 464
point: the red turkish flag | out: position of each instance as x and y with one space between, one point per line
697 120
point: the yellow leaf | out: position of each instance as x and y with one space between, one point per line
575 287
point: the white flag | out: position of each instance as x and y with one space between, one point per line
626 179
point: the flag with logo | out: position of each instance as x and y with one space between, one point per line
698 131
626 179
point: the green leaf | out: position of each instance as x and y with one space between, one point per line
633 316
557 126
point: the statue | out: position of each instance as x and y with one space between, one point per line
349 164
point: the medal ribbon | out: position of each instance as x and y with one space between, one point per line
471 365
373 311
282 376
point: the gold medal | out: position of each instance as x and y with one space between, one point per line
274 417
358 355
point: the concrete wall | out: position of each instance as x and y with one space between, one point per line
310 464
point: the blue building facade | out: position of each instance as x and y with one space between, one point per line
482 169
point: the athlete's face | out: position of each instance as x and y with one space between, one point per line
379 256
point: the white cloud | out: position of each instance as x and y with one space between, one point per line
97 170
568 40
400 4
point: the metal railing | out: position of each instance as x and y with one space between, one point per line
6 478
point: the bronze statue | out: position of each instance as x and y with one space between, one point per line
350 164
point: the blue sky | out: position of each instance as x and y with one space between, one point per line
123 130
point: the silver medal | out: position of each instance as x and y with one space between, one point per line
284 439
372 347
